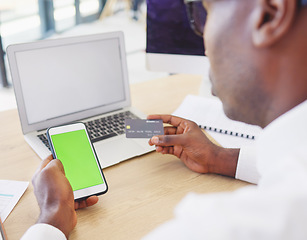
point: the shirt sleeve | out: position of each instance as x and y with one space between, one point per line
43 231
276 209
247 165
247 214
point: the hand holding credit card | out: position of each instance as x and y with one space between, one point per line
143 128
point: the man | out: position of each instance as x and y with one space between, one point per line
258 54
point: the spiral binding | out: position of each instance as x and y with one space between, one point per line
231 133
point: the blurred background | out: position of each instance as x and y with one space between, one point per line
31 20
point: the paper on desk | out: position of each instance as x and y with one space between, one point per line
10 193
209 112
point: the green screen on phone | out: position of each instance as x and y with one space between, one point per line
74 150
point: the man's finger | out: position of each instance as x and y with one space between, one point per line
159 148
170 119
168 150
173 130
168 140
58 164
170 130
91 200
45 162
87 202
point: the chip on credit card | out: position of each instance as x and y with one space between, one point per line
143 128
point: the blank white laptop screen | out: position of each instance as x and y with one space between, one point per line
88 79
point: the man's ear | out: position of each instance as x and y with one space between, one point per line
272 20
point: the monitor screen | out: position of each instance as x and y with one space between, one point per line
172 46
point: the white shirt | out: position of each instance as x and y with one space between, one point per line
43 231
247 165
275 209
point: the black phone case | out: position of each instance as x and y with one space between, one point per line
54 156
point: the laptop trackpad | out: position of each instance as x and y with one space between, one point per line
114 151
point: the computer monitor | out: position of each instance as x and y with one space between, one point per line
172 46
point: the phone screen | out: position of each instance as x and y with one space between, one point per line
75 152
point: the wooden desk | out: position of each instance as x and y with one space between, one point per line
143 191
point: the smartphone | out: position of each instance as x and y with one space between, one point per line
72 146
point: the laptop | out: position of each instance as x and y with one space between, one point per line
76 79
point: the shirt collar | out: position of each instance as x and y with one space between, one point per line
281 136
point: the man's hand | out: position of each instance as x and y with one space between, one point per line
55 196
185 140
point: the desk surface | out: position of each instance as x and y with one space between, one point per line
142 191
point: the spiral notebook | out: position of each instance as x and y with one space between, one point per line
208 114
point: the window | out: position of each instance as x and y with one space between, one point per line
89 7
28 20
64 14
19 21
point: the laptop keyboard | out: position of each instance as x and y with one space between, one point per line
102 128
107 127
43 138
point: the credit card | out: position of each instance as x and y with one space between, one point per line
143 128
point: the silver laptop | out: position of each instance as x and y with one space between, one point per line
73 79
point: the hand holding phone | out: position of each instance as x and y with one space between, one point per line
72 146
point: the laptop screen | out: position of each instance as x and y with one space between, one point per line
70 78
